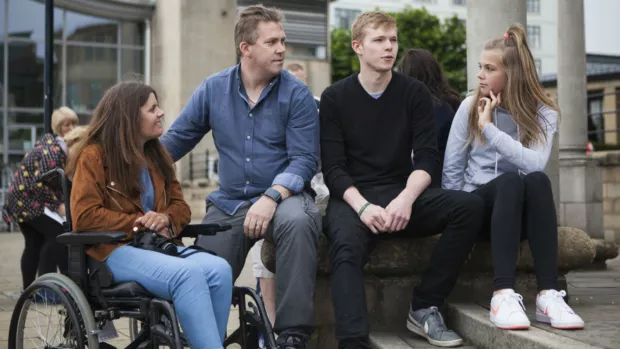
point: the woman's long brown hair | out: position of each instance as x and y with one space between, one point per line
422 65
523 92
115 127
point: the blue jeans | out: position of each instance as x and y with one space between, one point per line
200 287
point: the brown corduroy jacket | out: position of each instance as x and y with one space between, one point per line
98 204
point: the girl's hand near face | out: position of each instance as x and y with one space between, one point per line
485 109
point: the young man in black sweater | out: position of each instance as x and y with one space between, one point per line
370 124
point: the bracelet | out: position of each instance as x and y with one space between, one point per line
359 213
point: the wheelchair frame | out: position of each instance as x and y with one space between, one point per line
94 299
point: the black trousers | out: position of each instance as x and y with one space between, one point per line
518 208
454 214
41 251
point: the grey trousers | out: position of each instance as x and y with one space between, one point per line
295 230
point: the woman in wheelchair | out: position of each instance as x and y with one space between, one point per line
124 180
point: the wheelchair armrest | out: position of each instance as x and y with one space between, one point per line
91 238
193 230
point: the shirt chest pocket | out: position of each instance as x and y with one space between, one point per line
272 123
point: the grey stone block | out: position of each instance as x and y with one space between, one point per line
472 322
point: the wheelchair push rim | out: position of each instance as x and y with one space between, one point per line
46 316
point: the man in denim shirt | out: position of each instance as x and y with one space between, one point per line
266 130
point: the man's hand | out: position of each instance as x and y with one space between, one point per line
398 214
258 217
374 217
157 222
61 210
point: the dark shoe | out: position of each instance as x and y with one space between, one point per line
291 342
429 324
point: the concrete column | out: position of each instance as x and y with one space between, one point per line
485 20
191 40
581 193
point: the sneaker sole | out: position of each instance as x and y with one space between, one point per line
567 326
447 344
523 326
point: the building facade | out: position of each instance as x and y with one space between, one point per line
171 44
541 21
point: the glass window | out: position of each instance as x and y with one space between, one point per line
533 36
86 28
89 75
132 62
2 18
26 74
533 6
345 17
132 33
459 2
23 129
27 20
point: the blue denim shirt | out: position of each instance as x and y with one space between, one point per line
276 142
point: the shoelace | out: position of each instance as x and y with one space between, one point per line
558 298
509 298
435 313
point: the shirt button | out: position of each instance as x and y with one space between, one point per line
247 159
247 182
250 114
248 137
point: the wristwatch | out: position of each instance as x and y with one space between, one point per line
273 195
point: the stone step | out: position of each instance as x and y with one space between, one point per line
387 340
472 322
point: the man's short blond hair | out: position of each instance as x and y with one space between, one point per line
248 20
373 19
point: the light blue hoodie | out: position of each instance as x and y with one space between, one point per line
467 167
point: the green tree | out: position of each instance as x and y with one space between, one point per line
416 28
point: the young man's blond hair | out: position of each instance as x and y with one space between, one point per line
248 20
373 19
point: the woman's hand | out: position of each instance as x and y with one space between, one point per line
61 210
485 109
157 222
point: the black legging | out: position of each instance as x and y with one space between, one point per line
41 250
521 208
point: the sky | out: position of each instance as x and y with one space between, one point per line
602 22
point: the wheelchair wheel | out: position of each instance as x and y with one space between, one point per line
46 316
135 326
90 329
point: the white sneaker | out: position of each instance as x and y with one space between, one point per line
508 312
552 309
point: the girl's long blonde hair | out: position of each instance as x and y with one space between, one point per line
523 92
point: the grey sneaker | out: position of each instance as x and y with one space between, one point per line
429 324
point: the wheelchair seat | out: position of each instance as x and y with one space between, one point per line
129 289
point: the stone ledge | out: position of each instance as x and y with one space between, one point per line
472 322
402 256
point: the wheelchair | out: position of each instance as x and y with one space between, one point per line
87 301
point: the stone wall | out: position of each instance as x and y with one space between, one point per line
610 164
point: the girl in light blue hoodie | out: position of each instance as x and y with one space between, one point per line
499 144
